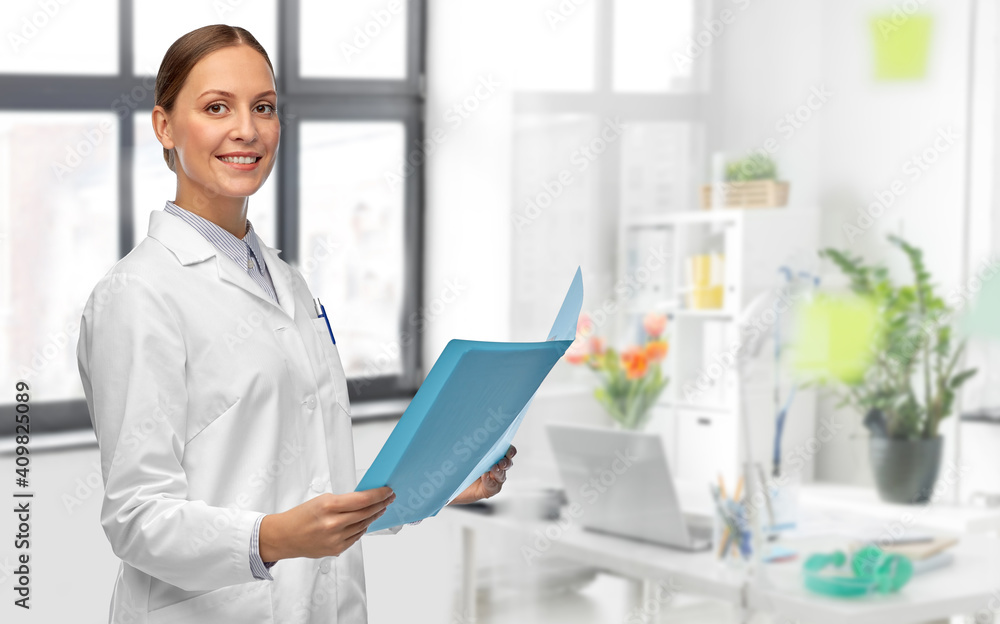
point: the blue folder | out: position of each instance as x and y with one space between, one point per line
464 416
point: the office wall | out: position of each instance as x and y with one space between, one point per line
768 62
467 279
862 139
73 568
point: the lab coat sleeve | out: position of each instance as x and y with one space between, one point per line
132 360
260 568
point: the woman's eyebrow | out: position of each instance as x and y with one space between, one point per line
230 95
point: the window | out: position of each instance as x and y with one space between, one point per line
60 38
354 222
80 172
610 127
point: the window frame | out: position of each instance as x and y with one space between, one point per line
300 99
695 104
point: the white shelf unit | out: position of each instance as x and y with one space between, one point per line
697 413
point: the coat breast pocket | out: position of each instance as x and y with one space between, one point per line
246 603
217 412
332 356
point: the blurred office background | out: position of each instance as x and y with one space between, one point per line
444 168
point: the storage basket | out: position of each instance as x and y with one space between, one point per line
752 194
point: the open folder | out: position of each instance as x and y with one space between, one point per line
464 416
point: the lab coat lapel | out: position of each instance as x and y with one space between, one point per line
233 274
280 277
189 247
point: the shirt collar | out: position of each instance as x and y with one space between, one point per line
222 239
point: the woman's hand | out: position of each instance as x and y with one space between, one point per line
323 526
490 483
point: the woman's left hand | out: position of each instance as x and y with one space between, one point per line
489 483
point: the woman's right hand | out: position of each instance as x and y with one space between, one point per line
323 526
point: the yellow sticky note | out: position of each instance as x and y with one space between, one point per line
835 336
901 43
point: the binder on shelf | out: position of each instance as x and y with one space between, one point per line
464 416
648 265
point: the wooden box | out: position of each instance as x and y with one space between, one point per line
752 194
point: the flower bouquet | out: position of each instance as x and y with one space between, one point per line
633 380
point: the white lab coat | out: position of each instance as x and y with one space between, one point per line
212 405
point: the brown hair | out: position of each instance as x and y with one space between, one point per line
184 54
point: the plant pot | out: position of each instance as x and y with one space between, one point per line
905 470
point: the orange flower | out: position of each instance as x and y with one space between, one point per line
577 352
656 350
584 326
634 362
597 345
654 324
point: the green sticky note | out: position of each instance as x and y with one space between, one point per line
901 45
834 336
983 318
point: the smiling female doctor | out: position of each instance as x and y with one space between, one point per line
222 449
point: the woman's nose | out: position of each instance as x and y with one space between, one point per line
245 127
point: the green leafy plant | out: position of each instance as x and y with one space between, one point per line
910 385
753 167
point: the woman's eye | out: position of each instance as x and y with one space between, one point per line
215 108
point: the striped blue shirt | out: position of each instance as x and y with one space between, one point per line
246 254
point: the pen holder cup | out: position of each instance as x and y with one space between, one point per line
731 549
783 492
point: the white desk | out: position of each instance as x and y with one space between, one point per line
860 501
697 573
863 502
966 586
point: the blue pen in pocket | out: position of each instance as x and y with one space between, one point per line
321 313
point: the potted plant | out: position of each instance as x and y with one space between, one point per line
910 384
632 380
750 182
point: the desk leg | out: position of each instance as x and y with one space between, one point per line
742 610
638 594
468 603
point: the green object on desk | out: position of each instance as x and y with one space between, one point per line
874 571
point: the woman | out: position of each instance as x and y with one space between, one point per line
218 399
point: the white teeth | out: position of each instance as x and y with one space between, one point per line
239 160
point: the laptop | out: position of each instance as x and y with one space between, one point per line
622 482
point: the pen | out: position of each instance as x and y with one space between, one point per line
321 313
727 519
726 536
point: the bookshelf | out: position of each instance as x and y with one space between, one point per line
697 413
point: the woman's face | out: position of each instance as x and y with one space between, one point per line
226 108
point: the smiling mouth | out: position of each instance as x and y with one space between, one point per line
239 160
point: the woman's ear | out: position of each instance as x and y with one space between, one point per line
161 127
